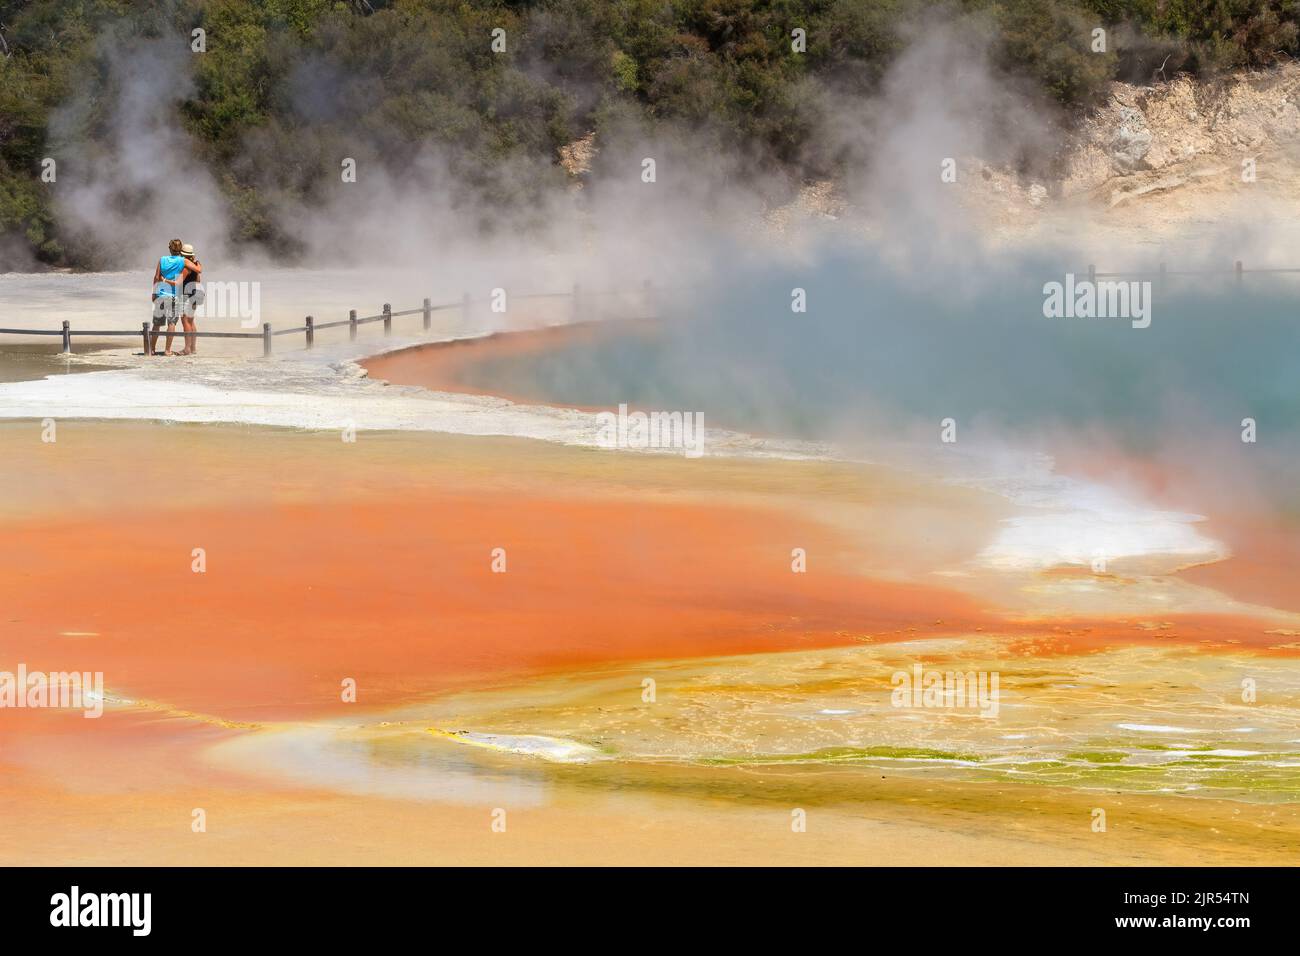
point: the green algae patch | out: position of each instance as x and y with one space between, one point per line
843 755
1097 756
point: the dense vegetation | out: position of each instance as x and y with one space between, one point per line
298 78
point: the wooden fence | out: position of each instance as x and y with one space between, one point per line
310 326
1238 270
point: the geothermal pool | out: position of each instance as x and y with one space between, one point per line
649 672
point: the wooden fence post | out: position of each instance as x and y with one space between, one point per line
352 325
67 337
428 315
311 331
144 333
388 319
266 339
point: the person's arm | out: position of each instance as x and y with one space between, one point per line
157 277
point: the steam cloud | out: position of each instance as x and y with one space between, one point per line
915 313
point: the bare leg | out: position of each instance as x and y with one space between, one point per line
153 341
171 333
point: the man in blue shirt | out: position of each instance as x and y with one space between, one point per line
166 294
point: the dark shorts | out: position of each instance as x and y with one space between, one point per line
165 309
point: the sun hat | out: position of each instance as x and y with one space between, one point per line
187 251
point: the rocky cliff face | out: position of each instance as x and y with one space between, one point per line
1159 163
1150 164
1156 139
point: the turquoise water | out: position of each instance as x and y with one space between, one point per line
880 357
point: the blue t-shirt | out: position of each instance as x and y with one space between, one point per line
171 267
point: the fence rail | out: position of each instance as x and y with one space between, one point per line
310 326
1237 269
